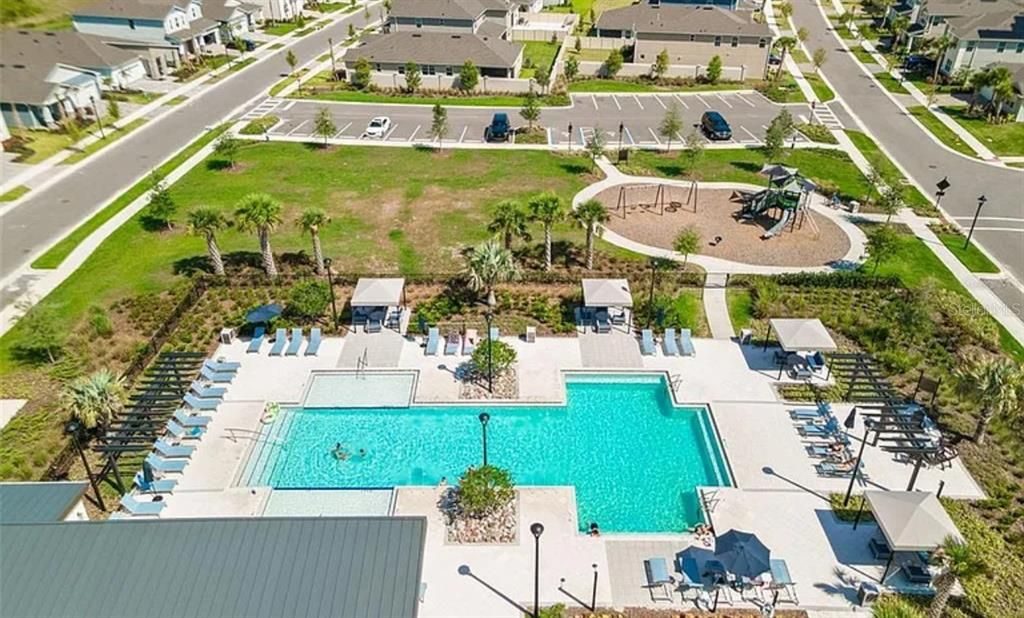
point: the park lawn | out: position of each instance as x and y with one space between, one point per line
14 193
741 307
598 85
890 83
111 137
820 88
915 200
914 263
1003 139
943 133
971 257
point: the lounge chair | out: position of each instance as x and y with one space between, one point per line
781 579
137 507
207 392
493 333
296 343
280 341
827 468
156 486
602 324
658 578
201 404
469 342
668 342
433 340
801 372
313 347
806 414
179 432
916 574
452 343
218 378
647 342
166 465
166 449
187 420
686 343
257 340
879 548
816 361
222 366
831 427
691 575
823 451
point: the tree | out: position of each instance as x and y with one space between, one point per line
890 201
818 58
660 66
785 9
309 299
351 30
593 16
548 209
311 221
206 222
227 148
361 76
260 213
469 76
997 385
509 221
577 45
938 46
531 109
323 124
802 34
613 64
161 206
292 61
780 128
1000 80
113 110
784 44
485 490
714 70
93 400
572 67
956 560
40 334
413 78
671 125
595 144
687 242
693 151
542 75
899 26
590 215
501 357
894 606
882 244
439 125
487 265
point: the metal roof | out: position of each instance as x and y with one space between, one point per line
606 293
33 503
358 567
911 520
802 335
378 293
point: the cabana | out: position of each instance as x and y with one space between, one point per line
795 335
377 303
912 522
607 302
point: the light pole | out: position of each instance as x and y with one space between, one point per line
940 190
484 419
650 299
537 529
490 364
593 592
850 421
622 127
570 137
99 116
981 202
73 428
330 286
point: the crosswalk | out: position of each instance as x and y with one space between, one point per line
825 116
264 108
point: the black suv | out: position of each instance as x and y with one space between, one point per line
714 126
499 128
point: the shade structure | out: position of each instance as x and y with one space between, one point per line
911 520
776 171
802 335
742 553
607 293
378 293
263 313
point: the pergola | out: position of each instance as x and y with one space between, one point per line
911 521
601 294
373 298
799 335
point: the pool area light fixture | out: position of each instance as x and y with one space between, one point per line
484 419
536 529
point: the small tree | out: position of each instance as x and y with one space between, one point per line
227 148
93 400
531 109
693 151
671 125
469 76
542 75
311 221
361 76
292 61
956 560
613 64
572 68
439 125
995 385
206 222
577 45
784 45
882 244
687 242
595 145
502 357
161 206
260 213
593 16
547 209
113 109
487 265
660 66
485 490
413 78
802 34
323 124
590 215
509 222
780 128
785 10
714 70
351 30
309 299
891 201
818 58
40 334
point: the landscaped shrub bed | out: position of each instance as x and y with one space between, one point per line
259 126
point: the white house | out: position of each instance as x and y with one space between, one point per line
983 39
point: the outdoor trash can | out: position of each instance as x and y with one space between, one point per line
867 593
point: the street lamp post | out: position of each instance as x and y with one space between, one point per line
490 363
570 137
593 591
484 419
981 202
650 299
622 127
99 116
537 529
850 421
330 286
73 429
940 190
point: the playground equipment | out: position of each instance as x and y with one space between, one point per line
632 197
788 193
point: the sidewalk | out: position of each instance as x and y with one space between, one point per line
791 65
716 306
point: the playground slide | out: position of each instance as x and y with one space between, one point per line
780 225
758 202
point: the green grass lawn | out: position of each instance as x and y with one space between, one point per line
863 55
178 100
138 98
939 130
14 193
785 90
820 88
741 307
890 83
111 137
44 144
799 56
539 54
915 200
914 263
1003 139
280 29
971 257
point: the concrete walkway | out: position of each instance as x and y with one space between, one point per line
716 310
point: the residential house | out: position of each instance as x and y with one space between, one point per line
281 10
236 18
983 39
726 4
490 18
48 76
691 35
928 17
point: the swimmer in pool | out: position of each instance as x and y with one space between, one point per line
339 453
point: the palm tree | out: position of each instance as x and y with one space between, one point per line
206 222
899 27
509 221
93 400
312 220
893 606
260 213
938 47
997 385
978 81
589 215
487 265
1002 87
785 44
548 209
956 560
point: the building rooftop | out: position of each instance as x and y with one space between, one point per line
445 9
138 9
440 48
969 7
999 25
33 503
682 19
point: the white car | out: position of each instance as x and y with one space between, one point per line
378 127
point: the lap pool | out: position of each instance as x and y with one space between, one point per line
633 457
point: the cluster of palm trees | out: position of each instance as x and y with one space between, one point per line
261 214
999 80
93 400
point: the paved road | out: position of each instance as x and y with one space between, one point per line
49 214
1001 232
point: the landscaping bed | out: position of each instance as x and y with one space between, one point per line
648 84
322 88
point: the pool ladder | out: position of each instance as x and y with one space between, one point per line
675 380
363 362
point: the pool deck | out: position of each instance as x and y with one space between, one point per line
777 493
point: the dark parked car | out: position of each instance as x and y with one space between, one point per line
916 63
498 130
714 126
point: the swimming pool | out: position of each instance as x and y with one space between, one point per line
633 457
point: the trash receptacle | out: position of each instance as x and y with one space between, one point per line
623 155
867 593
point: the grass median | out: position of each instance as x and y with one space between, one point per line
112 135
943 133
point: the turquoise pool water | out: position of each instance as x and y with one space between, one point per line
633 457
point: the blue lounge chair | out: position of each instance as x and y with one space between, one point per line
807 414
137 507
816 361
822 451
186 420
686 343
166 449
830 427
157 486
493 334
222 366
916 574
658 578
469 342
201 404
647 342
185 433
691 575
166 465
257 340
433 340
314 342
280 341
879 548
217 378
827 468
296 343
207 392
452 343
602 324
781 579
668 342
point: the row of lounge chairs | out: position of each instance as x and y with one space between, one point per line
455 342
671 345
691 578
285 346
820 423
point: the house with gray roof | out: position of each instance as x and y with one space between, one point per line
37 503
930 18
983 38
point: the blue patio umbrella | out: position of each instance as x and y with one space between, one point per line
263 313
742 554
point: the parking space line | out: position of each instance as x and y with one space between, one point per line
463 136
289 105
637 99
701 99
654 135
742 98
680 99
752 136
629 136
338 134
615 100
548 129
594 99
722 99
388 134
679 136
297 127
414 132
803 118
658 99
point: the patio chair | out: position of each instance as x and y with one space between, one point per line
295 343
879 548
452 343
602 324
493 333
218 378
433 339
824 451
822 411
179 432
315 336
156 486
668 342
187 420
916 574
686 343
257 340
469 342
658 578
280 341
691 575
531 334
801 372
201 404
137 507
166 465
373 326
812 429
781 579
207 392
816 361
222 366
172 451
647 342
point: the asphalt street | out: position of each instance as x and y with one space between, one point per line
1001 226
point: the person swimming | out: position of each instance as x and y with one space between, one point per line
362 453
339 453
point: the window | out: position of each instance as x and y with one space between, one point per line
762 43
1020 47
718 41
376 66
401 69
1001 47
693 38
419 22
448 71
970 46
734 42
429 70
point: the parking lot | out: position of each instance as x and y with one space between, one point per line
638 116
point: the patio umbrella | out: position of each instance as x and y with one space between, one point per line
263 313
742 553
